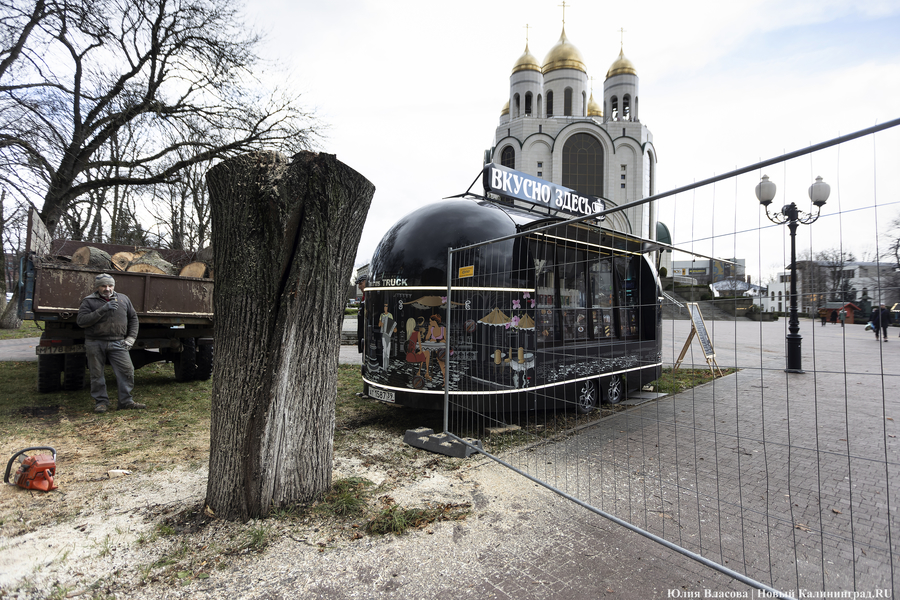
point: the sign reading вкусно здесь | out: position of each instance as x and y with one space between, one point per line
521 186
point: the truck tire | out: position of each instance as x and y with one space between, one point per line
205 354
186 363
50 368
73 371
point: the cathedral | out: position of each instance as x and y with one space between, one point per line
552 128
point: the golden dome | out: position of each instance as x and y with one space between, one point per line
621 66
526 62
594 109
505 110
563 56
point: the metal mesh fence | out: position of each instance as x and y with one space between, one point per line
783 476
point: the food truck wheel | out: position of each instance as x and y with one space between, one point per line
588 396
614 389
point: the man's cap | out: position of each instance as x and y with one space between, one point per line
104 279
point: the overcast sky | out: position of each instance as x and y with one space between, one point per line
412 91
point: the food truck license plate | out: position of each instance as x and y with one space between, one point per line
383 395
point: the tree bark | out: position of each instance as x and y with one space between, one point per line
10 317
285 235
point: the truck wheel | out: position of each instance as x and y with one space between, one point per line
73 371
205 354
588 397
185 363
614 391
50 367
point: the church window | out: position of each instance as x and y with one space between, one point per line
567 102
508 157
583 164
516 106
540 165
626 107
614 112
550 104
583 104
528 104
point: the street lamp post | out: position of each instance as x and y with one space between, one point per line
790 214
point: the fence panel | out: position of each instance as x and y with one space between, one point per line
780 471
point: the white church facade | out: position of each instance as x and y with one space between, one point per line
552 128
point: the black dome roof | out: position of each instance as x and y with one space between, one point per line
415 248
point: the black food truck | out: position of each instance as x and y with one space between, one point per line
552 313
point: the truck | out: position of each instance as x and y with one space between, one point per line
175 312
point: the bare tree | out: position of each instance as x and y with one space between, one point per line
834 263
285 236
178 76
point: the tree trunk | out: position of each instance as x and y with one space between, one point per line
10 317
285 236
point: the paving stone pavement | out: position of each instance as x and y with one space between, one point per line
785 478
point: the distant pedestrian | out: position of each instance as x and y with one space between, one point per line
842 316
822 316
881 318
834 317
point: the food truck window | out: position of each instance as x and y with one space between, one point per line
602 296
573 294
626 298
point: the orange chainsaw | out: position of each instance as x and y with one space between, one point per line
35 472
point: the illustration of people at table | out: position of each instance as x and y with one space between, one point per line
414 351
436 334
387 325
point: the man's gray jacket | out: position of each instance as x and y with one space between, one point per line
100 324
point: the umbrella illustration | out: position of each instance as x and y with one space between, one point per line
430 302
526 322
495 317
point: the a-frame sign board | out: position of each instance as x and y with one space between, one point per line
698 328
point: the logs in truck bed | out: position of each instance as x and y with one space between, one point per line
140 261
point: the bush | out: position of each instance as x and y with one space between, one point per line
663 272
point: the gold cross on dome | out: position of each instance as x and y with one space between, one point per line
564 11
622 40
527 27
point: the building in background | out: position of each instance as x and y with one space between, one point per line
819 285
551 127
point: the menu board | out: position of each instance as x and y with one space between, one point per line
700 327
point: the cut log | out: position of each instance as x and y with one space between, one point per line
194 269
152 259
92 257
121 260
145 268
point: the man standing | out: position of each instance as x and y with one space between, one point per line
387 326
110 326
881 318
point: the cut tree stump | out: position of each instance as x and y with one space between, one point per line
151 262
92 257
286 234
194 269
